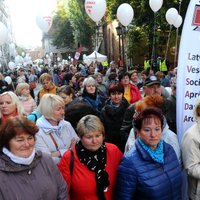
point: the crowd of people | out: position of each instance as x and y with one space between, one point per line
94 133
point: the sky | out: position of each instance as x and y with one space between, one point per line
23 17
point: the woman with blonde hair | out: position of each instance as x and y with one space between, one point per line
95 163
55 135
9 106
48 87
23 93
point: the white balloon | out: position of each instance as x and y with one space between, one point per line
3 33
95 9
58 59
155 5
178 22
171 15
125 14
11 65
8 80
44 22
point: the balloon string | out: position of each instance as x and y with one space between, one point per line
168 41
153 55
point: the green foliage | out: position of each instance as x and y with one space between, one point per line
63 32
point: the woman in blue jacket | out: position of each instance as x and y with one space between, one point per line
150 170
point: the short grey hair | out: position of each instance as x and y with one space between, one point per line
89 81
48 103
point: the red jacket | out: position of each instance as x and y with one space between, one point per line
82 184
135 94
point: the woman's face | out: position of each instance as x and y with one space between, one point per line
116 97
67 98
25 92
58 113
6 105
125 80
92 141
134 77
22 145
91 89
46 84
150 132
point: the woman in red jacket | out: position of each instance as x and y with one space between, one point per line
95 163
131 92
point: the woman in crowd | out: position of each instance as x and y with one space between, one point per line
167 135
55 135
113 113
25 173
90 94
67 94
9 106
95 163
191 154
131 92
151 170
23 93
48 87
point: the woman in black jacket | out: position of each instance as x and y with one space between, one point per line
113 113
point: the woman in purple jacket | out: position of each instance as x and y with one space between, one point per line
25 173
150 170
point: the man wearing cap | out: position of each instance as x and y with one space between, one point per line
152 86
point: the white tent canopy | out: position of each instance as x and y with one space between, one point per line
95 56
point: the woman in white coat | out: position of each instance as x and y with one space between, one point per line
55 135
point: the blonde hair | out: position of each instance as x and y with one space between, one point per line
48 103
89 123
15 100
45 76
20 87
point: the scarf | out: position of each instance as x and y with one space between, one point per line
157 155
46 125
4 117
17 159
96 162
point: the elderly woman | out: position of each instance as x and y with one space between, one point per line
9 106
23 93
167 135
55 135
113 114
90 94
95 163
150 170
191 154
21 167
48 87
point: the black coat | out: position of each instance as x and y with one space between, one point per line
112 118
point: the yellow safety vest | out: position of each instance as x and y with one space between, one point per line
163 66
147 64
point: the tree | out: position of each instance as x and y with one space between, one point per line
62 29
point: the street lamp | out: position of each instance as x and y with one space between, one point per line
121 32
